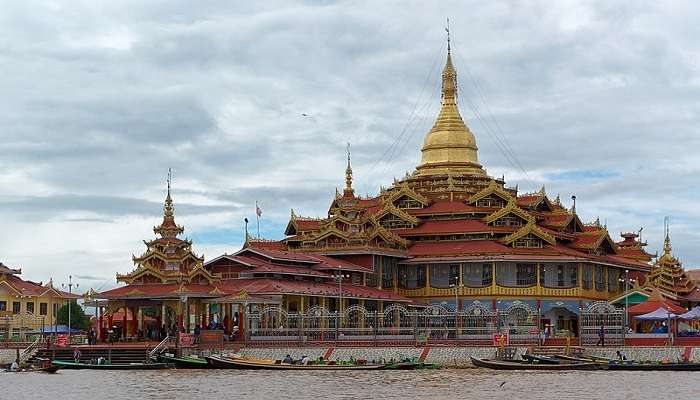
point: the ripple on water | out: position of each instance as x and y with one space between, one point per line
430 385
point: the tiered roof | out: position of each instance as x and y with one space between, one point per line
449 206
168 259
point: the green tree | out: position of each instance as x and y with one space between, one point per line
78 319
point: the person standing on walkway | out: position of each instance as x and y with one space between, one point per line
601 336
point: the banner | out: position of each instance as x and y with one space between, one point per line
500 339
62 340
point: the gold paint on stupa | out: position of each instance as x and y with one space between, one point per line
449 147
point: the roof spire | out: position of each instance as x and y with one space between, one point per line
168 228
348 176
448 35
667 240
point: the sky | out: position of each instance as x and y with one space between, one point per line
255 101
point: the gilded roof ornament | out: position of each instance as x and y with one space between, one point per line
450 145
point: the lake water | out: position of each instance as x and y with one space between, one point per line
425 385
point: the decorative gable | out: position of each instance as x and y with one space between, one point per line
492 195
529 235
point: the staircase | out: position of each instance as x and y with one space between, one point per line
115 354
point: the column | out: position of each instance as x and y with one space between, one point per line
124 324
162 315
140 320
100 324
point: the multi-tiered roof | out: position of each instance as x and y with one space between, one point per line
450 207
168 259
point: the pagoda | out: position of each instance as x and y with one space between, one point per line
668 274
168 259
450 231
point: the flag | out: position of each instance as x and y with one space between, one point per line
258 210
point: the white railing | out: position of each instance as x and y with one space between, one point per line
29 351
159 347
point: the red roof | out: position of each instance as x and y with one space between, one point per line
653 304
446 207
307 224
463 247
258 286
265 267
452 226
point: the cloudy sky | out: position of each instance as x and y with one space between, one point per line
99 99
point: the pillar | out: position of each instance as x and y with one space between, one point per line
140 320
229 314
124 324
134 320
100 324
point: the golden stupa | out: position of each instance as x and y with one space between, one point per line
449 147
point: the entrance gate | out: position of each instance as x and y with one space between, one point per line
612 320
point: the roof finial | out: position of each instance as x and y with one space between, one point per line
667 239
573 207
448 35
348 175
170 178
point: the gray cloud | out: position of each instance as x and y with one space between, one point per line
98 102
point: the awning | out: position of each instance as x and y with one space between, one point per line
661 314
59 329
692 315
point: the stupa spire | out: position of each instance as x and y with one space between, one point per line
450 145
348 176
168 228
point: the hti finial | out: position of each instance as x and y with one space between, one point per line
348 174
170 178
447 28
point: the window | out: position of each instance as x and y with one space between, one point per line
16 307
528 241
389 264
43 308
412 276
3 306
171 266
30 308
525 274
444 276
55 310
613 279
587 276
599 278
477 275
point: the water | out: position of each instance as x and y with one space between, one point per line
424 385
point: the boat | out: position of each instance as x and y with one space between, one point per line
411 363
652 366
241 363
109 366
185 362
522 365
532 358
50 369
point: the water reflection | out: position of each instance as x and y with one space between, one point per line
430 385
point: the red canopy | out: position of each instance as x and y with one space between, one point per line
653 304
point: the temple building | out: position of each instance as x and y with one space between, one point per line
450 234
171 286
27 306
446 235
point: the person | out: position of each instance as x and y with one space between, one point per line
621 356
304 360
287 359
601 336
76 354
14 366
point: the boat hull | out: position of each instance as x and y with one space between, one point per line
186 362
234 363
652 367
514 365
134 366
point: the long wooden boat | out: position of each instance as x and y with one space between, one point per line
135 366
636 366
185 362
410 365
518 365
240 363
50 369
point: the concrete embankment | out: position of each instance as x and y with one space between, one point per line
457 356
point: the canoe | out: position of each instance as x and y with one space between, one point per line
518 365
135 366
635 366
185 362
240 363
